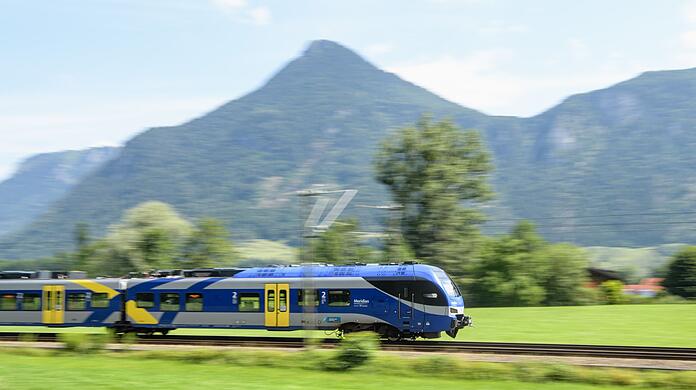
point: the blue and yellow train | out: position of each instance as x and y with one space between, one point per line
405 300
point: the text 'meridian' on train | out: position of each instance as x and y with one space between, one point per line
404 300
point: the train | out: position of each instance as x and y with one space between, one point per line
397 300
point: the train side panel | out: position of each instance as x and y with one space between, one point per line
59 302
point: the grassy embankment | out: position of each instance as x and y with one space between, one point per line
650 325
171 370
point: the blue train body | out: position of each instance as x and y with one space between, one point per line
396 300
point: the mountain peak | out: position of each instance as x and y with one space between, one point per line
323 47
332 55
327 67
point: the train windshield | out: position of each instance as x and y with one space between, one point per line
450 288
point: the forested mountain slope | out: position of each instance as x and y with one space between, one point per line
41 180
623 150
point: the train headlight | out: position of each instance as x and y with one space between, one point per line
453 310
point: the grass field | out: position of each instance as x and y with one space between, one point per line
649 325
124 372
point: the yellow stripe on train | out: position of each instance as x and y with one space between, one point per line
96 287
139 315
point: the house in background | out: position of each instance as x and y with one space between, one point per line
648 287
599 276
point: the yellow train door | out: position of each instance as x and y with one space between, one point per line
53 302
277 308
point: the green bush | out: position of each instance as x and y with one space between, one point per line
353 351
589 296
612 292
83 343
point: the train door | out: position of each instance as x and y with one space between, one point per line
277 308
53 303
405 307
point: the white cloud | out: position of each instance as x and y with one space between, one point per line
484 81
456 2
376 49
260 15
242 11
689 11
578 49
230 5
499 27
688 39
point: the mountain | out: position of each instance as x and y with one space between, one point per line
318 120
618 151
622 156
41 180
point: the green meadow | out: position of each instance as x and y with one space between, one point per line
647 325
39 369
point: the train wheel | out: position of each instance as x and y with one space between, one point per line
164 332
393 335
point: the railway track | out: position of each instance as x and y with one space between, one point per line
599 351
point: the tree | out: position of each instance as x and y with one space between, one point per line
149 236
438 173
566 274
395 249
522 269
339 244
612 292
82 248
508 273
681 274
208 246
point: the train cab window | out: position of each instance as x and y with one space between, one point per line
169 302
77 301
308 297
100 300
194 302
270 300
31 301
8 302
145 300
249 302
339 297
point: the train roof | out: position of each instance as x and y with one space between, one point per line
407 269
349 270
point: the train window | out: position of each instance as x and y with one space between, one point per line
169 302
145 300
8 302
31 301
451 288
308 297
283 300
270 300
100 300
77 301
194 302
339 297
249 302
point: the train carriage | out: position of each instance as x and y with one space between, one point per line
60 302
395 300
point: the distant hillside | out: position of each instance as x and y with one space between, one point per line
613 167
635 263
623 155
43 179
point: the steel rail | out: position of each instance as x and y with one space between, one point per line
600 351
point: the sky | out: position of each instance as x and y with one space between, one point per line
82 73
